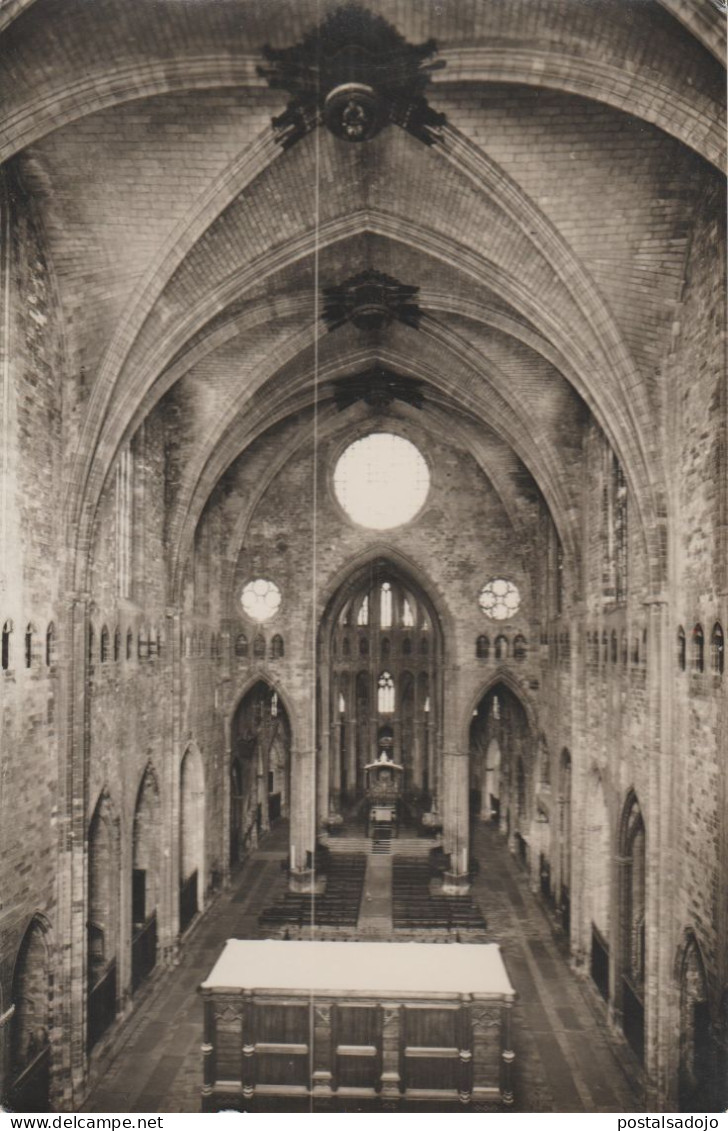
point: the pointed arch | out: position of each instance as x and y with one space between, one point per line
103 917
32 1022
695 1076
510 682
261 739
146 876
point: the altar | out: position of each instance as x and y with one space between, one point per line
384 782
395 1022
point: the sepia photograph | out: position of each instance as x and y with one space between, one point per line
363 558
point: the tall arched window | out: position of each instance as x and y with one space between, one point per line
501 648
129 644
50 650
384 661
698 649
482 647
7 632
276 647
117 644
29 633
595 649
682 651
91 642
385 694
520 648
385 605
717 649
104 644
241 646
363 614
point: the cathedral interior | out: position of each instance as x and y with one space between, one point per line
364 514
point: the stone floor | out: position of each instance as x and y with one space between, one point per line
566 1060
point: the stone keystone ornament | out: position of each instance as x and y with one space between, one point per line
377 387
370 301
355 74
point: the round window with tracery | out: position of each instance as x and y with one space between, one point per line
500 599
260 599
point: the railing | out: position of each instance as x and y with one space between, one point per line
101 1005
187 900
600 963
30 1089
633 1018
143 952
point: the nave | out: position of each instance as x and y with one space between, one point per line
566 1059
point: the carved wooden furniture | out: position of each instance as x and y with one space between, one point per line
345 1020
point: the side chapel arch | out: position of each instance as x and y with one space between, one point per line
696 1079
30 1032
104 894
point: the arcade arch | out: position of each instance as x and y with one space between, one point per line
501 762
260 770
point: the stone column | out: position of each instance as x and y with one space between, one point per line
170 771
659 861
335 762
456 821
352 724
417 727
68 1037
226 821
302 839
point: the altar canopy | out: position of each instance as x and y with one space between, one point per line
329 1020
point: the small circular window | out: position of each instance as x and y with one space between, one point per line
381 480
260 599
500 599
